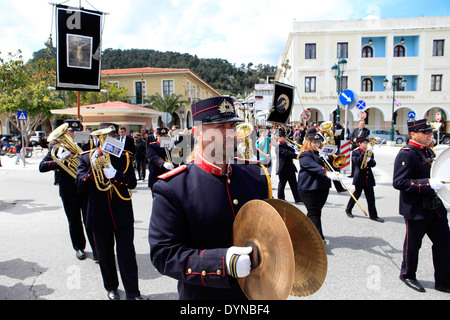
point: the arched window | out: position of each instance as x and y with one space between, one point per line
367 85
399 51
367 52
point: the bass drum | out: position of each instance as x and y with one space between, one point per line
441 170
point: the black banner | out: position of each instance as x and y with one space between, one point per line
78 39
283 101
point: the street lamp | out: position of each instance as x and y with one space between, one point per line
338 72
398 84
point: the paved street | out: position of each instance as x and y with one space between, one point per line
38 262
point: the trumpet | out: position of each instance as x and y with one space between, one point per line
65 142
243 132
102 160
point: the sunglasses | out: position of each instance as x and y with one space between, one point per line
425 131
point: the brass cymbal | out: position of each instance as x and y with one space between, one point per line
309 251
259 225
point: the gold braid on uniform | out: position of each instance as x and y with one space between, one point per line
269 181
115 188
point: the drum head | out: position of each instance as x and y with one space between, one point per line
259 225
441 170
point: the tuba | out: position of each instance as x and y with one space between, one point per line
65 142
243 132
102 160
328 134
369 152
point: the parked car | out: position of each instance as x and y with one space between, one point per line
444 138
385 135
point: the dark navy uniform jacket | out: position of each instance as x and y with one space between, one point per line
107 207
312 175
286 158
412 178
192 221
363 177
157 156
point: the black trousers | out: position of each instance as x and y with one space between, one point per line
126 258
141 164
314 200
283 179
75 208
438 231
370 198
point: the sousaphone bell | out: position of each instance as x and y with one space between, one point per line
288 257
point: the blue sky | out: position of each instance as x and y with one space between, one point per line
240 31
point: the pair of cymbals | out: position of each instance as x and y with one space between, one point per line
288 258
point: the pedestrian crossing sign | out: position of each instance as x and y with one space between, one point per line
22 115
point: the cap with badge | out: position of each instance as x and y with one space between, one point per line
362 139
313 135
419 125
162 131
215 110
74 125
105 125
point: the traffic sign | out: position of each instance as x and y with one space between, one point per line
22 115
361 105
438 116
306 115
166 118
412 115
362 115
346 97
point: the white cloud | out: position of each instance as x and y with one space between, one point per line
240 31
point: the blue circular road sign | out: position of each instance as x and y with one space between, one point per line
361 105
346 97
411 115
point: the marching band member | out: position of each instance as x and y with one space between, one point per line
314 181
194 208
74 202
363 179
158 164
286 168
423 211
110 216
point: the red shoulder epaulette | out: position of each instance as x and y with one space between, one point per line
172 173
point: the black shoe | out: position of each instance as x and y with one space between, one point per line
80 254
413 284
349 214
442 288
377 219
136 298
113 295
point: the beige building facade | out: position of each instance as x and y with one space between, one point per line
411 51
142 83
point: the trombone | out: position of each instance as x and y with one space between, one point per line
337 175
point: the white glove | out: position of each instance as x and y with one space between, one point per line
368 159
64 155
436 184
168 166
109 172
238 261
332 176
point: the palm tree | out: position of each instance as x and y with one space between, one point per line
167 103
